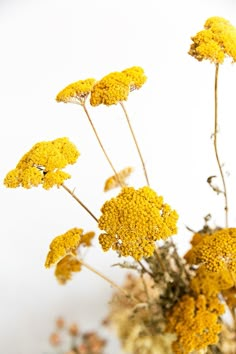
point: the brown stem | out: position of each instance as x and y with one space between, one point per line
163 268
135 141
101 145
144 269
216 147
79 201
114 285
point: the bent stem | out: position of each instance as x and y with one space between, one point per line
216 147
79 201
135 141
114 285
101 145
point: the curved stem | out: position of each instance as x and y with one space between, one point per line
216 147
114 285
79 201
101 145
135 141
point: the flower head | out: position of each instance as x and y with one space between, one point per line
210 283
134 220
136 76
77 92
195 322
110 90
114 181
216 42
43 165
65 267
217 251
116 86
63 245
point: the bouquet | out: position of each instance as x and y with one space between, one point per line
168 303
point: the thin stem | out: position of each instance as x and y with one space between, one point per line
163 268
144 270
135 141
216 147
101 145
79 201
114 285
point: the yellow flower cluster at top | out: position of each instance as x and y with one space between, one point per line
134 220
216 251
77 92
111 89
195 322
43 165
216 42
116 86
63 251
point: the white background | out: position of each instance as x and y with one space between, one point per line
45 45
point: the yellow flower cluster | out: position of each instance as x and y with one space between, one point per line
63 245
77 92
216 42
116 86
65 267
210 283
115 181
87 238
63 251
134 220
43 164
217 251
195 322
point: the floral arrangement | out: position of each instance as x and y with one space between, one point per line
168 303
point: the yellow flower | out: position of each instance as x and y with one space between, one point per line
136 76
77 92
87 238
110 90
63 245
217 251
43 164
65 267
195 322
210 283
113 181
134 220
216 42
56 178
116 86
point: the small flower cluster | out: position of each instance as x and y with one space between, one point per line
63 253
70 340
43 165
195 322
216 42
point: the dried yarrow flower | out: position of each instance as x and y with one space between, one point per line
216 42
43 165
77 92
134 220
116 181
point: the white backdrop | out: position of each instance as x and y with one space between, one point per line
47 44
